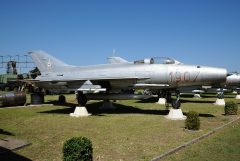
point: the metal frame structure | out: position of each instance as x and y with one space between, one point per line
24 63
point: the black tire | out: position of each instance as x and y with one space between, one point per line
238 91
82 99
176 104
62 99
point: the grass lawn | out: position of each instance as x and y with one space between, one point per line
137 130
223 145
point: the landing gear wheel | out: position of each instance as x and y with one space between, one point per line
220 95
81 98
238 91
176 104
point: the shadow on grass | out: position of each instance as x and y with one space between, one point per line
6 154
123 109
185 99
191 95
57 103
206 115
6 132
201 114
93 108
70 107
59 111
150 100
187 95
215 96
196 101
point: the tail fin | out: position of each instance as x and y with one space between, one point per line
47 63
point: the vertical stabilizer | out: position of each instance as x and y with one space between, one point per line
47 63
116 60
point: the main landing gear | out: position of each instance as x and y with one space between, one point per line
168 97
81 98
238 94
80 111
176 103
220 98
175 113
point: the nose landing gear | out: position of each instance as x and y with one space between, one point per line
176 103
80 111
81 98
175 113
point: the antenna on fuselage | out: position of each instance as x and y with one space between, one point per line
114 52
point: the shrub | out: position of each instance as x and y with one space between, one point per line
62 99
7 89
77 149
192 122
15 89
231 108
26 90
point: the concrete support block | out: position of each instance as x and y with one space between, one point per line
161 101
197 96
175 114
80 112
237 96
220 102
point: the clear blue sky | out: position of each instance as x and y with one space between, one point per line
82 32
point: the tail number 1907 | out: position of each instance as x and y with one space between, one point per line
183 77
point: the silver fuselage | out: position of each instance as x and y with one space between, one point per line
125 76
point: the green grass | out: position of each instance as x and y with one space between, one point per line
135 131
223 145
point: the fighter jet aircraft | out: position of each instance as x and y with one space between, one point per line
117 80
232 84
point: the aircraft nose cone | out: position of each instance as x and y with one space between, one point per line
214 75
233 79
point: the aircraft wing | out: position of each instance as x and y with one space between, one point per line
92 85
151 86
86 79
87 86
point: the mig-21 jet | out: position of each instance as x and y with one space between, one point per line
118 79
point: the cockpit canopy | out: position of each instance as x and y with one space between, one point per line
157 60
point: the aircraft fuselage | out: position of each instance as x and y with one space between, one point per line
124 76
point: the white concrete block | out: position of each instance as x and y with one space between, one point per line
220 102
175 114
161 101
80 112
197 96
237 96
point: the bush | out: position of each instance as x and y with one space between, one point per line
7 89
26 90
15 89
77 149
192 122
62 99
231 108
